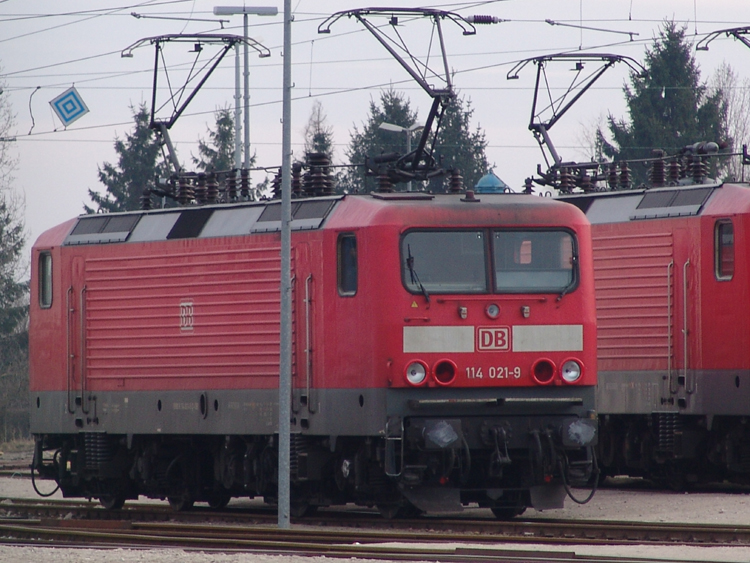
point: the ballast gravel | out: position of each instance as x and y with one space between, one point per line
619 499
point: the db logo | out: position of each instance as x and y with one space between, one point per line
496 339
186 315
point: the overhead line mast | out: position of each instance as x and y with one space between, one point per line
226 41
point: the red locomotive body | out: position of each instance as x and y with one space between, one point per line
443 352
674 365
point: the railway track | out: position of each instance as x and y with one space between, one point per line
307 542
299 543
15 469
23 519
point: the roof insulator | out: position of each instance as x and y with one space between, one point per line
469 198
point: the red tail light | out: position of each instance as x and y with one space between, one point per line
543 371
444 372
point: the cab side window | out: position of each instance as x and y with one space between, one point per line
45 280
347 264
724 249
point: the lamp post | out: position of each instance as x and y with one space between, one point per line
407 131
285 359
285 369
245 11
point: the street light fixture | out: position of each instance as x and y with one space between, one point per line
408 132
245 11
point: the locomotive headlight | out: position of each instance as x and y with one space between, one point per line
571 371
492 310
416 373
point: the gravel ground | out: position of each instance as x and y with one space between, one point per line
630 499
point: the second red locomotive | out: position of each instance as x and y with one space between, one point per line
443 353
670 266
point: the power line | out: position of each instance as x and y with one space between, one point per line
53 65
321 92
101 11
152 3
93 16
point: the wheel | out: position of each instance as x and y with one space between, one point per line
599 480
411 511
675 477
507 512
217 501
112 501
391 511
181 503
302 509
607 448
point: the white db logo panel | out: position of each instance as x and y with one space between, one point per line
495 339
186 315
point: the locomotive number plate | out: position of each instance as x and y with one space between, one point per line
499 372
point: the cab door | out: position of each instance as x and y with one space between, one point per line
686 312
75 302
307 314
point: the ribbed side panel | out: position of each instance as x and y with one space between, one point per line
298 457
634 277
98 450
181 313
668 425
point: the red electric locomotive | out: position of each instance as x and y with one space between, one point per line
674 365
443 353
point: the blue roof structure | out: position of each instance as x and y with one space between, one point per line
490 184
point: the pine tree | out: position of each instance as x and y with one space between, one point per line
14 314
669 107
218 153
318 134
136 170
458 147
14 307
371 140
12 292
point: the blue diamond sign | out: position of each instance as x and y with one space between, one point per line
69 106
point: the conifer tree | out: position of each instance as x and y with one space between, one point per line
218 153
318 134
137 168
456 147
14 309
371 141
669 107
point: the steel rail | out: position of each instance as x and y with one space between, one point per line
366 526
299 542
468 553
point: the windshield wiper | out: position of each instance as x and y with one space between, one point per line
413 273
568 288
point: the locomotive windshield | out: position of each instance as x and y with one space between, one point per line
452 261
533 261
445 261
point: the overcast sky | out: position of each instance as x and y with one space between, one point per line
48 46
